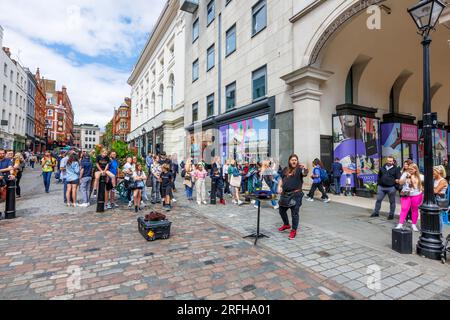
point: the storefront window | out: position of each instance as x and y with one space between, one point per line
245 141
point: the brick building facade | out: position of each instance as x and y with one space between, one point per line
122 121
59 116
39 114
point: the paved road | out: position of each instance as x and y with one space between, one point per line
341 243
54 252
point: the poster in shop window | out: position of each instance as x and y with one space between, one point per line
356 144
391 141
440 148
246 140
367 153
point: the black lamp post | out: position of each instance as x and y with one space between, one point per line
144 131
426 14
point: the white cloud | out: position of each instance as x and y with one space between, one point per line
93 89
89 27
104 27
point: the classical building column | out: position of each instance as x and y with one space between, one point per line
305 95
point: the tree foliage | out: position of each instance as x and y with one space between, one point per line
108 136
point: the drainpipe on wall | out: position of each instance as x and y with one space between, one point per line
220 65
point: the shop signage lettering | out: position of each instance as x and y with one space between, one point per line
368 178
409 132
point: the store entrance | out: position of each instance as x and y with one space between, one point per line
326 151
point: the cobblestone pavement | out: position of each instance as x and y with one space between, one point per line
341 243
48 248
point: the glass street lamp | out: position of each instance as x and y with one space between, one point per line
425 15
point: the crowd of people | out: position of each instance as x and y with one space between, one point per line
215 181
240 180
11 168
158 173
409 183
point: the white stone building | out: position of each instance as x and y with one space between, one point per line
293 65
13 100
157 119
89 136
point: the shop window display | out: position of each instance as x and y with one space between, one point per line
356 144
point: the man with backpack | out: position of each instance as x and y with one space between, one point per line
319 177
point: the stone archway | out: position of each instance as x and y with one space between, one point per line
336 21
340 37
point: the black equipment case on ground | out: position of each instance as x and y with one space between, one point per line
154 230
402 241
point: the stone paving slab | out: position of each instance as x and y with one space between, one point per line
341 251
82 255
337 256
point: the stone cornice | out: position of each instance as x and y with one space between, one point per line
306 94
168 15
306 74
306 10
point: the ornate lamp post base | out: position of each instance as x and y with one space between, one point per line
430 242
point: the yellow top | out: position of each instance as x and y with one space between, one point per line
48 164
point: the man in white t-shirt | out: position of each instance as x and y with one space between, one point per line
128 175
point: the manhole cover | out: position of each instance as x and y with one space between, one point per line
411 264
208 263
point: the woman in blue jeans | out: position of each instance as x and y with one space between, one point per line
48 164
188 184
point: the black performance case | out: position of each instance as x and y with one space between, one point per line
402 241
156 230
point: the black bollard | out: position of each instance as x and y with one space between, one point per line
10 204
101 194
213 192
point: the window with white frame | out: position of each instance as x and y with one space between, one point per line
195 30
259 14
259 83
210 58
210 12
195 71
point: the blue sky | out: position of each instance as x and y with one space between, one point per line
89 46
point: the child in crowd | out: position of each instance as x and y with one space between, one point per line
166 180
217 178
348 185
200 177
139 178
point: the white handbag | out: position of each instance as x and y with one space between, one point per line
235 181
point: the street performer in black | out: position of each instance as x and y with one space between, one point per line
291 194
